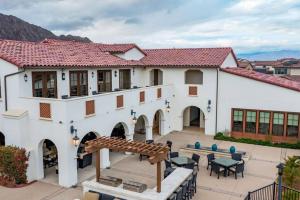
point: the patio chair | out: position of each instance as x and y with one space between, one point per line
236 156
190 166
168 164
185 194
194 187
169 143
196 158
172 197
178 193
190 186
210 158
216 168
174 154
239 168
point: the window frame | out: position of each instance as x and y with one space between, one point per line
126 82
44 77
233 121
287 124
104 80
193 70
78 86
268 124
283 125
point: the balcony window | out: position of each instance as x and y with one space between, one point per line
124 79
278 124
264 123
194 77
156 77
78 83
250 122
292 125
237 120
44 84
104 81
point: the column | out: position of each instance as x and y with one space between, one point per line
149 134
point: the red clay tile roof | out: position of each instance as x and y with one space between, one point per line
266 78
197 57
292 77
58 53
54 53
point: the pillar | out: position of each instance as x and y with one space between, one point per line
149 134
104 161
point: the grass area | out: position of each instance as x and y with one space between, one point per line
221 136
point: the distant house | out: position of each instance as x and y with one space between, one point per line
245 64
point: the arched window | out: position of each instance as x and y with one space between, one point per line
193 77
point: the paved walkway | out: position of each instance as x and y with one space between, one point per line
260 171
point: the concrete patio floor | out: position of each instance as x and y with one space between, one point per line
260 170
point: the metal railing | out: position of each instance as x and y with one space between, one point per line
270 192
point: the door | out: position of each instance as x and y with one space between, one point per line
104 81
78 83
124 79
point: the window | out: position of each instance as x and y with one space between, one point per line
292 124
237 120
280 70
193 77
250 122
278 124
124 79
104 81
44 84
156 76
264 123
78 83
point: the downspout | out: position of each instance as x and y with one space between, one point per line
5 85
217 100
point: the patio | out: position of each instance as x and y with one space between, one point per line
260 170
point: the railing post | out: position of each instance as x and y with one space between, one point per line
249 196
274 190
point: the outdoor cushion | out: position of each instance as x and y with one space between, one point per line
91 196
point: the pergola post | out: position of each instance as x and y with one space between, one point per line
98 165
158 178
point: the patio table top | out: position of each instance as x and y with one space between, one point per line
182 160
226 162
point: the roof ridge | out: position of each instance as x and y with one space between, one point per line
192 48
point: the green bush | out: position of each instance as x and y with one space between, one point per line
221 136
291 173
13 165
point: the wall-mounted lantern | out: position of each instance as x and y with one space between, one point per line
75 139
133 115
209 105
63 74
167 103
116 73
25 77
92 74
133 70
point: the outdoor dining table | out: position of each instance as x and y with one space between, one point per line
182 161
226 163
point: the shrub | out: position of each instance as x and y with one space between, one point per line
291 172
221 136
13 165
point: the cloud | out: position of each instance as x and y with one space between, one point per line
246 25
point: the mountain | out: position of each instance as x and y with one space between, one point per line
13 28
271 55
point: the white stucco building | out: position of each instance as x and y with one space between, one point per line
54 90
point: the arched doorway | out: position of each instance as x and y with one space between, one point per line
50 161
85 162
193 118
2 139
140 129
158 120
120 130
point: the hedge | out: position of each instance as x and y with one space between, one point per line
13 165
221 136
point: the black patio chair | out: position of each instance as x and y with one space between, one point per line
190 166
169 143
178 193
210 158
190 186
196 158
236 156
174 154
172 197
185 195
194 187
216 168
168 164
239 168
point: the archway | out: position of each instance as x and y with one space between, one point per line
120 130
140 129
193 118
158 119
2 139
50 161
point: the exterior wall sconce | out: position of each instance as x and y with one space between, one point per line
75 139
133 70
63 75
25 77
134 119
92 74
116 73
167 103
209 105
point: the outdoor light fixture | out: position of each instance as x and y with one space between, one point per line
92 74
133 70
75 139
209 105
280 168
63 75
25 77
168 106
116 73
134 119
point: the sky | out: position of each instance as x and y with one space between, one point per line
245 25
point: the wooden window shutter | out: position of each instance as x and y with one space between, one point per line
45 110
142 96
120 101
90 107
193 90
158 93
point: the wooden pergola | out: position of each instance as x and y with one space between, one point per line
156 152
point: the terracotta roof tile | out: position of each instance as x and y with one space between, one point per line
266 78
203 57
